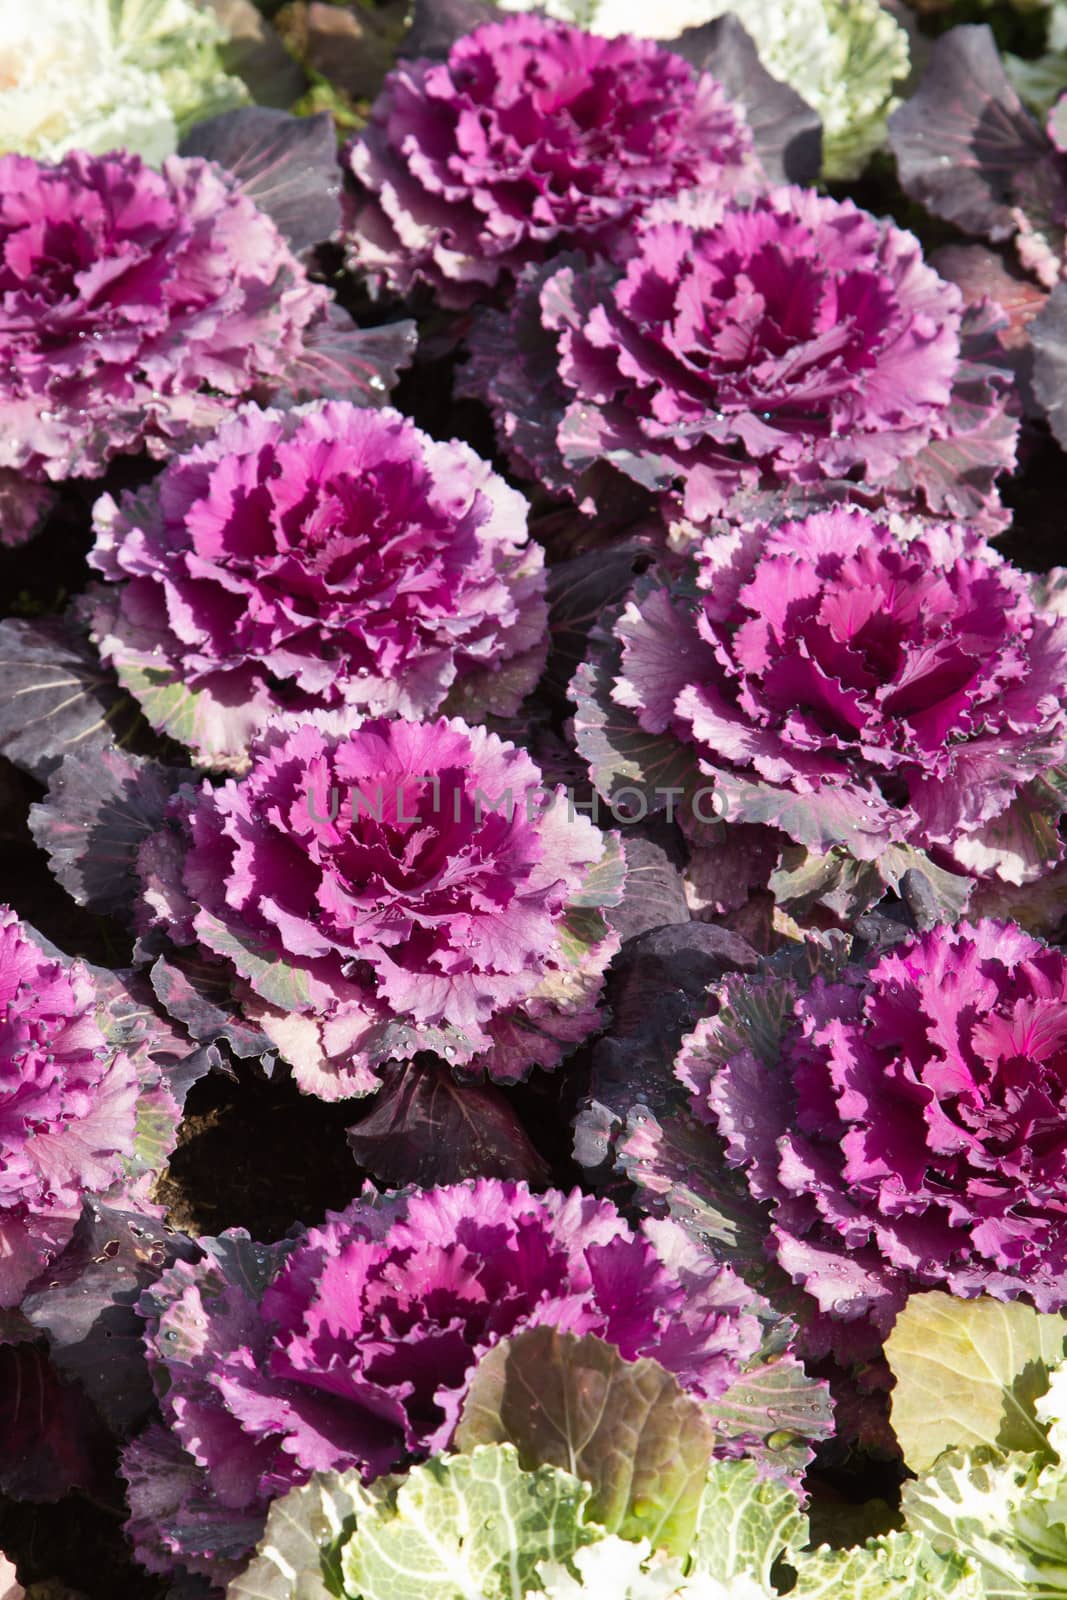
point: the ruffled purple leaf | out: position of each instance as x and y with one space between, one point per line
426 1128
786 132
100 807
287 166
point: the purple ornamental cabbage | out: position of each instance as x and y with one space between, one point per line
137 306
777 345
908 1128
354 1349
330 557
68 1103
400 888
533 136
857 688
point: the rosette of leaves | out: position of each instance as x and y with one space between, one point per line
354 1346
400 888
888 1128
575 135
844 58
328 558
143 306
101 75
885 698
740 354
93 1079
479 1524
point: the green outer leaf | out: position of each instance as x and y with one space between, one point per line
627 1428
461 1527
297 1557
899 1566
281 985
603 883
970 1503
968 1372
746 1525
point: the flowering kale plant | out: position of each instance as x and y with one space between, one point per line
139 306
400 888
782 343
531 137
857 689
73 1084
98 75
330 557
904 1123
354 1346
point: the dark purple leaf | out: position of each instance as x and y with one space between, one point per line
657 991
654 892
786 131
985 274
196 992
426 1129
1048 331
340 361
51 1439
578 592
99 808
622 757
965 140
84 1303
437 24
286 165
55 697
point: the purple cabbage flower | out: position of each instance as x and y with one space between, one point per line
331 557
785 345
354 1347
906 1125
533 136
859 688
399 888
68 1103
137 307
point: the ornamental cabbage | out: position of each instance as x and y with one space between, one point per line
532 136
904 1124
859 689
68 1104
100 75
138 307
329 557
480 1525
842 56
776 344
353 1347
399 888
